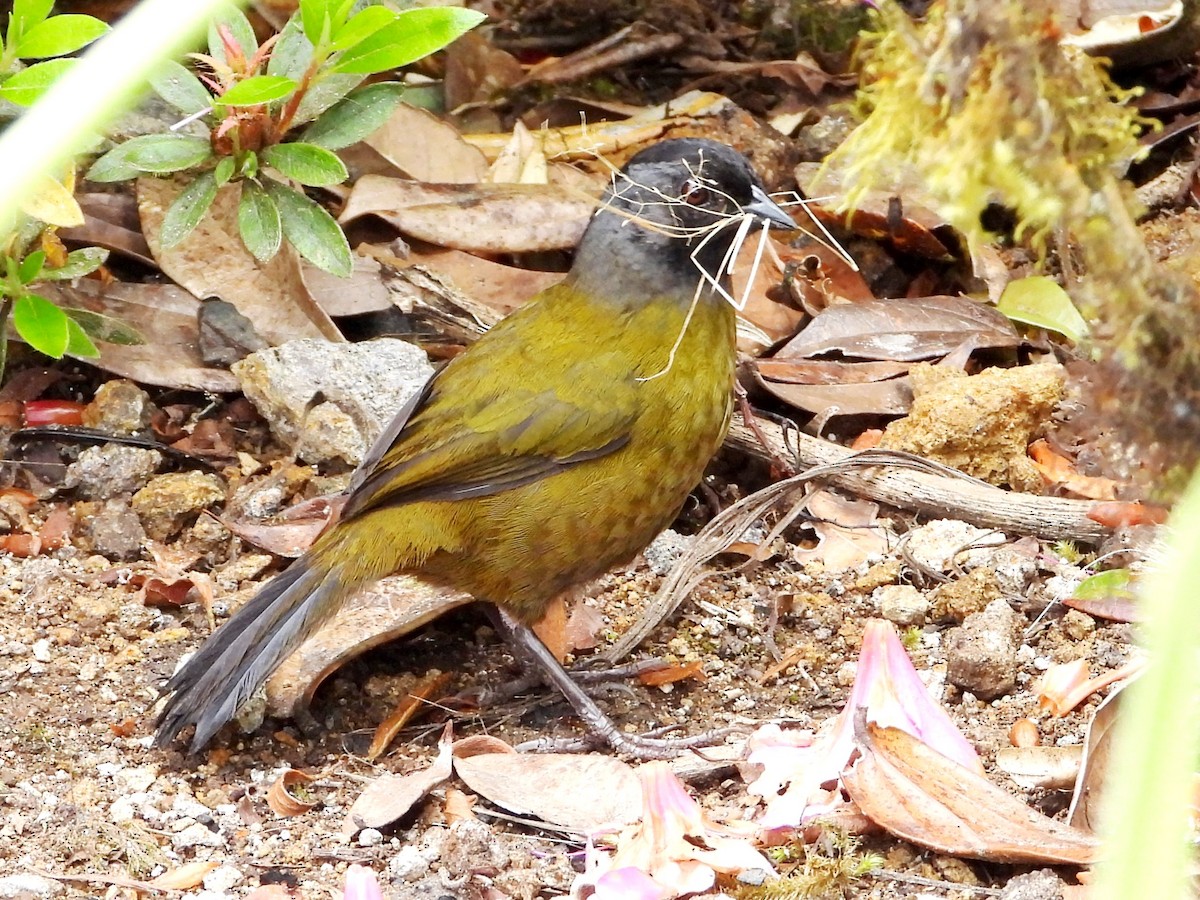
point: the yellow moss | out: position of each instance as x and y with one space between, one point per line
986 105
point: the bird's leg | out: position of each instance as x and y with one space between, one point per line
603 730
581 674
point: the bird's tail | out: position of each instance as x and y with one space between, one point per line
242 653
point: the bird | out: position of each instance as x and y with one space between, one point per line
555 447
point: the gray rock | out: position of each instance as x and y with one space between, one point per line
197 835
981 654
665 550
1040 885
370 837
222 879
902 604
168 501
365 385
23 886
936 544
107 471
114 530
119 407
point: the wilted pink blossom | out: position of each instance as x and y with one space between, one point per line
672 852
800 773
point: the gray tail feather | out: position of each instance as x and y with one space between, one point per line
242 653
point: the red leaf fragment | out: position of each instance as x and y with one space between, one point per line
53 412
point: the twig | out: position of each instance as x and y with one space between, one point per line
904 878
939 491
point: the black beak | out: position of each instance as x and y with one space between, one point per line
767 209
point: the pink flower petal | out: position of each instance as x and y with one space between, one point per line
800 774
361 884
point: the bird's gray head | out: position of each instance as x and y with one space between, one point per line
677 207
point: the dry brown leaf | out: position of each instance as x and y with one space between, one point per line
477 71
391 608
482 218
458 806
672 674
891 398
1095 767
212 261
583 792
903 330
827 371
426 148
1061 472
406 710
846 529
281 799
604 138
111 221
389 797
551 628
165 316
363 292
584 625
288 539
1045 768
921 796
495 285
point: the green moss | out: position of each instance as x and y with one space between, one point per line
822 870
982 104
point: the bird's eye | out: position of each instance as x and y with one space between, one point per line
694 193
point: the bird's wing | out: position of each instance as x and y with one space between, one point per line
495 421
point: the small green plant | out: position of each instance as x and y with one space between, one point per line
275 115
33 34
30 253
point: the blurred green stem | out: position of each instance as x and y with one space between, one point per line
1151 781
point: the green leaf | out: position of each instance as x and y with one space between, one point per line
257 89
311 230
413 35
258 222
250 165
224 170
1039 301
239 27
59 36
317 17
292 52
105 328
78 343
25 15
307 164
178 86
360 114
83 261
26 86
41 324
364 24
324 93
185 213
1102 585
31 265
154 153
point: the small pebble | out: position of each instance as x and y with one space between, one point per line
370 837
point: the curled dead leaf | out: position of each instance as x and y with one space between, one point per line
921 796
281 799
